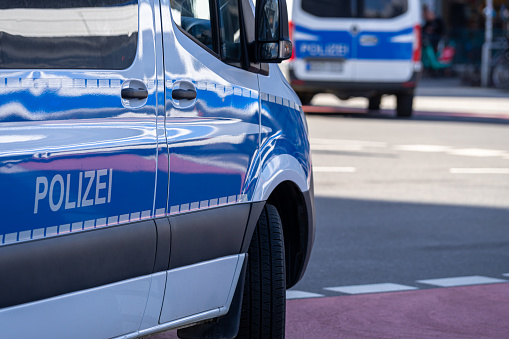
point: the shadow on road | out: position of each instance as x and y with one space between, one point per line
369 241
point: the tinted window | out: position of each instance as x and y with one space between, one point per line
85 34
329 8
193 17
384 9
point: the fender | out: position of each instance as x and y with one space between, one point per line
280 168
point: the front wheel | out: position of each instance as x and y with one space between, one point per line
264 300
404 105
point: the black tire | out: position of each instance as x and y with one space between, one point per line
264 299
305 97
374 102
404 105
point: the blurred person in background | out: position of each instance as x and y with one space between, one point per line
434 27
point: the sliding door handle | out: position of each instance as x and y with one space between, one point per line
134 93
183 94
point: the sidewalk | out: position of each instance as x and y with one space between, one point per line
437 95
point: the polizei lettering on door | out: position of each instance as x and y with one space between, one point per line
74 190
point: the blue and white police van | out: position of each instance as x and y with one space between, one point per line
365 48
155 170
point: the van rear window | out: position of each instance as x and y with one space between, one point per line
381 9
329 8
56 34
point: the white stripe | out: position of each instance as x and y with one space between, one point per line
506 274
25 235
478 152
301 295
336 147
371 288
479 170
461 281
334 169
323 141
422 148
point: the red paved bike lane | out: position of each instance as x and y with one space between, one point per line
480 311
471 312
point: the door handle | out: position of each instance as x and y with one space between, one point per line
134 93
180 94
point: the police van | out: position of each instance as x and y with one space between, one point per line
365 48
155 170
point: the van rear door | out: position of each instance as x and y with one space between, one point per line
385 40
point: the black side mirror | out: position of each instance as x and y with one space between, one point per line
272 38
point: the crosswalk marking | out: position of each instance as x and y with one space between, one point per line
371 288
292 294
461 281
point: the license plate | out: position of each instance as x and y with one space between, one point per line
325 66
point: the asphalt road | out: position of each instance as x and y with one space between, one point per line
398 201
412 233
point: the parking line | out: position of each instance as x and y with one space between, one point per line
461 281
292 294
334 169
479 170
371 288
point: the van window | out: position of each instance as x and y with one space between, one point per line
193 17
372 9
229 29
55 34
383 9
329 8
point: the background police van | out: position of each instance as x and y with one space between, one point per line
355 48
155 170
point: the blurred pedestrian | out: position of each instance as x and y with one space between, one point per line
434 27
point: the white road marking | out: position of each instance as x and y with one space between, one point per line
322 141
371 288
292 294
477 152
334 169
315 147
469 152
461 281
506 274
422 148
479 170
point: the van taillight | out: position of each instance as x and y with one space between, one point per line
291 27
417 50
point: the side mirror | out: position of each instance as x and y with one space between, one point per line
272 38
